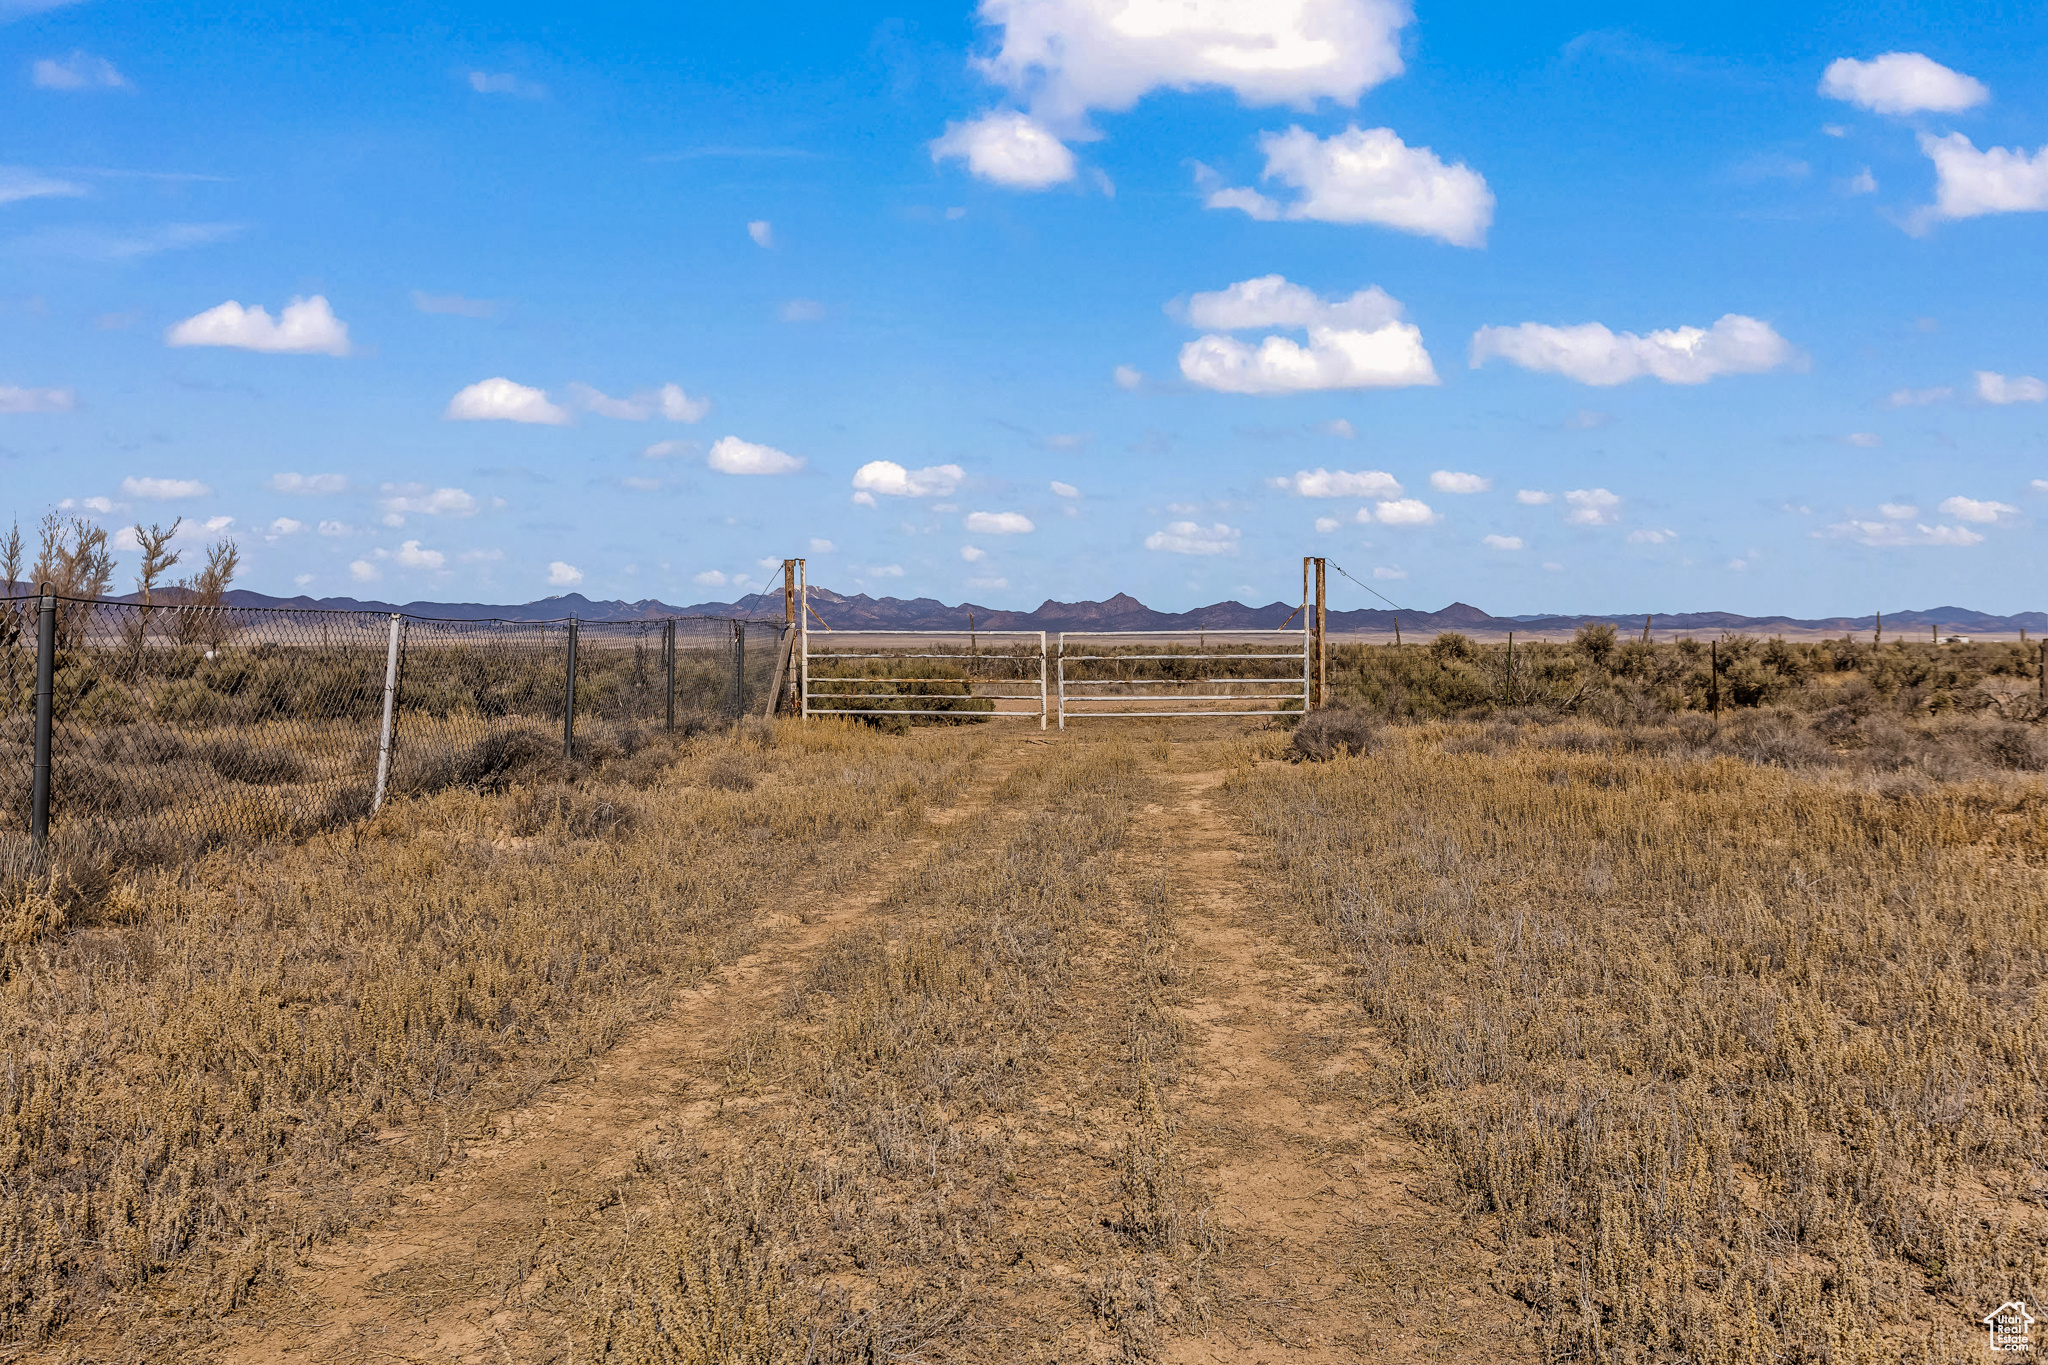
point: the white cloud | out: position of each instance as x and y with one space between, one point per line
640 484
453 304
763 232
1592 507
212 524
1501 542
505 83
885 570
1127 378
305 327
1008 148
1389 357
1069 440
1450 481
401 500
1652 537
1918 398
1338 426
1969 183
308 483
801 310
481 556
972 554
604 405
1191 538
1531 497
1971 509
1863 182
1901 83
999 523
663 450
892 479
1864 440
80 71
1401 512
363 571
678 406
1325 525
988 582
1888 534
1063 490
501 400
818 547
1386 572
1339 483
710 578
731 455
336 528
411 556
1272 301
285 526
17 400
1997 388
1592 354
1898 511
563 575
1368 176
1066 57
864 499
18 183
156 489
101 505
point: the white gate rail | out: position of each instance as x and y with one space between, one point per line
1260 651
827 682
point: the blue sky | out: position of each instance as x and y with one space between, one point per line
1541 307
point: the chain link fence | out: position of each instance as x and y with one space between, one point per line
173 727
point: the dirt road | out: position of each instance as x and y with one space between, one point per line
1139 1120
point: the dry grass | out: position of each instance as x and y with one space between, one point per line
1733 1064
212 1073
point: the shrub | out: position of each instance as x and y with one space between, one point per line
259 764
1331 733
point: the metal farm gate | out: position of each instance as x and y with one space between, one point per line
1160 673
933 674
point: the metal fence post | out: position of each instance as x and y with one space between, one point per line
46 687
668 668
739 669
390 711
1041 681
569 699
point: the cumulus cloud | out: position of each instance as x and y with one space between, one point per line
731 455
1592 354
401 500
336 528
1592 507
1648 536
604 405
411 556
1901 83
1531 497
1064 490
305 327
763 233
1007 148
501 400
1450 481
662 450
972 554
1969 183
1918 398
1400 512
1274 301
1886 534
1387 357
321 484
161 489
1339 483
999 523
1898 511
893 480
1973 509
563 575
18 400
1338 426
363 571
1501 542
505 83
710 578
1368 176
1066 57
1864 440
1386 572
18 183
1126 377
885 570
678 406
285 526
1325 525
79 71
1192 538
1998 388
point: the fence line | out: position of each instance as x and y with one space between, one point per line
177 725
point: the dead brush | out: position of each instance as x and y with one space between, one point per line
1727 1058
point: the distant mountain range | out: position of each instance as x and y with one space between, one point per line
1124 612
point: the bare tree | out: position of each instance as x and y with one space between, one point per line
204 618
10 557
73 558
158 558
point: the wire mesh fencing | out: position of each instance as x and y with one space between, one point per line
172 727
